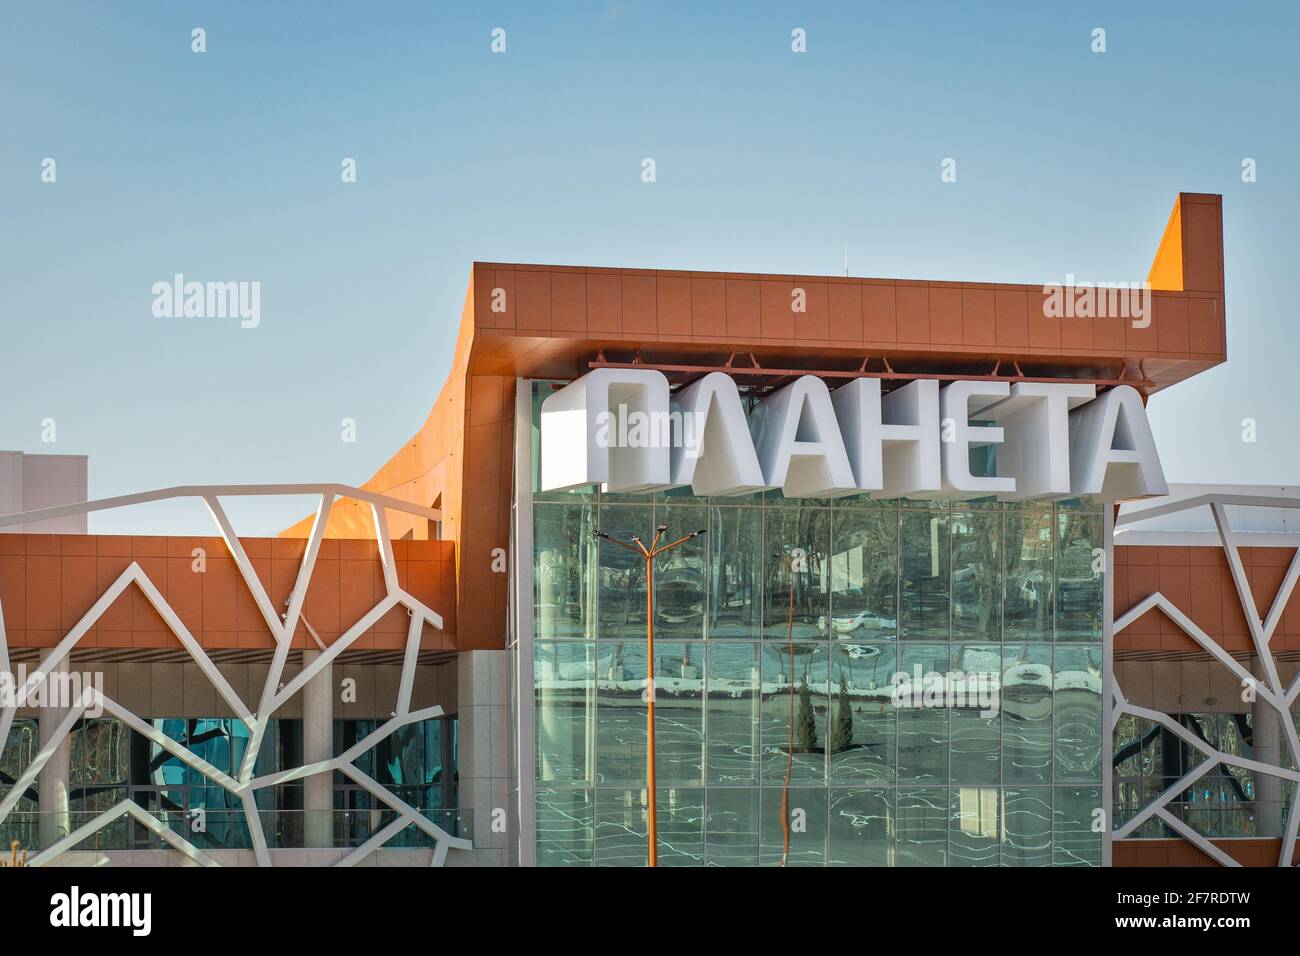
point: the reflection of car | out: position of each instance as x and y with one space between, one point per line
864 619
861 652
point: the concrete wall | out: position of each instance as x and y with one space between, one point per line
484 753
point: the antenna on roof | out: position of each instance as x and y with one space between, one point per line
846 259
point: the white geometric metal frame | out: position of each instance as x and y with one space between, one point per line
272 697
1270 691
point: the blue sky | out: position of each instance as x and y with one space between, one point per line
225 166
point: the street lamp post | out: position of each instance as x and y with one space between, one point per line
649 554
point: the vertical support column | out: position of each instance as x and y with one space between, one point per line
1266 732
1108 681
484 715
525 705
317 746
52 782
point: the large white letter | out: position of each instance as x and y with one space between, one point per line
893 443
857 406
572 453
956 399
799 444
1036 436
1112 453
714 452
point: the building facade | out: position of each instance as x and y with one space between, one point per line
1206 659
449 664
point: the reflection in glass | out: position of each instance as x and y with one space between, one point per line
563 573
872 783
1028 603
794 712
1078 714
20 749
733 713
922 723
564 821
1079 577
864 574
806 813
1074 841
733 543
621 573
1027 713
731 827
975 723
620 713
862 828
923 574
796 544
923 827
679 712
976 575
564 690
98 766
974 830
621 828
680 576
863 717
1027 826
681 825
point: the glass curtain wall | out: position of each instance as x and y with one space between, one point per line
110 763
1226 802
779 636
417 763
19 751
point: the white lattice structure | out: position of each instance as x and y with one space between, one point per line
273 694
1270 691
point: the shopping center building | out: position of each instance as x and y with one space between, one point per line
892 477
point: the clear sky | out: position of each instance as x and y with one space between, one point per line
225 165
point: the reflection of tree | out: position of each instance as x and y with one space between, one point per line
806 724
804 530
734 553
880 571
1076 548
1029 570
842 732
977 539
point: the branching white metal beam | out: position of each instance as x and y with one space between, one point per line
1270 692
273 696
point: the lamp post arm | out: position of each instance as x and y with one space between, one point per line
637 548
682 540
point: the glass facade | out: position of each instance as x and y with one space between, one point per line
1226 802
109 763
778 636
19 751
416 762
